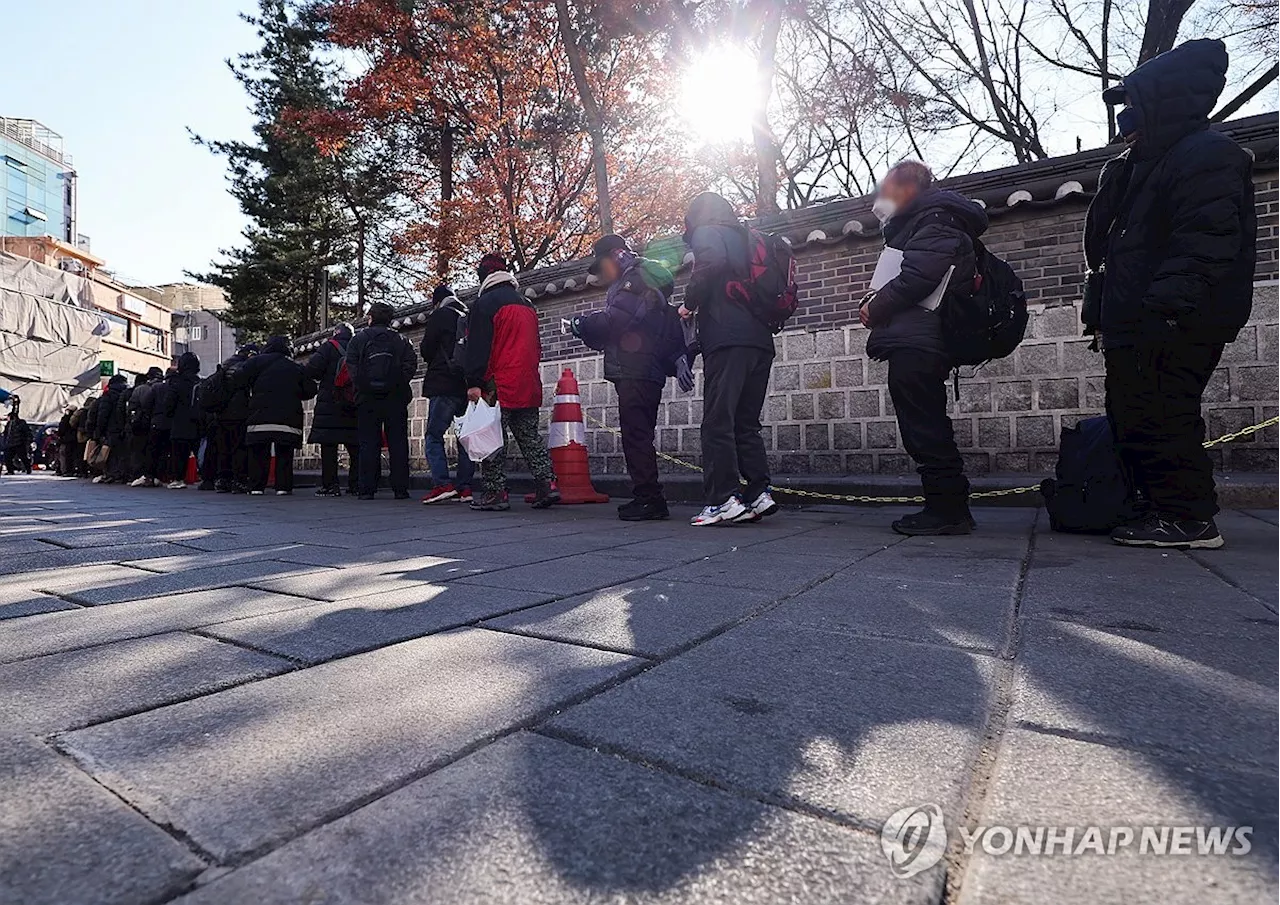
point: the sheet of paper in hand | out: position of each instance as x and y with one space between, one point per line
890 265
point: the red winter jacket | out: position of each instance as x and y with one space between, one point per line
503 345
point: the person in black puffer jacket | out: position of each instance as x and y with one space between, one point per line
112 429
178 399
1170 244
277 387
333 422
631 331
229 402
141 408
934 230
446 391
737 349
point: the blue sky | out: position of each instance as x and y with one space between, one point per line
121 80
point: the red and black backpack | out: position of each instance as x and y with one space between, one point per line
768 289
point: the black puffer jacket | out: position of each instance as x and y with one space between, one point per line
236 410
332 422
277 386
935 232
142 405
175 404
719 245
1173 219
111 416
439 337
629 330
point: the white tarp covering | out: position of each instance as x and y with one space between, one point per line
48 346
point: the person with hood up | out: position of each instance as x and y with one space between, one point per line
381 363
640 335
66 442
934 230
112 430
1169 240
503 354
277 386
141 407
333 422
229 402
446 394
17 444
737 349
181 412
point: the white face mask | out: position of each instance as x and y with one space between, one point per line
884 209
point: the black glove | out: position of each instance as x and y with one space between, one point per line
684 374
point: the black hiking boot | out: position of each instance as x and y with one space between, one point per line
1159 531
643 511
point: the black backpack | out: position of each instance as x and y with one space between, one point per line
379 370
215 391
1091 493
990 322
768 288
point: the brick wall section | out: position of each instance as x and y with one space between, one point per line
829 412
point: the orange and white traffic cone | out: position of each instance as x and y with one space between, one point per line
566 444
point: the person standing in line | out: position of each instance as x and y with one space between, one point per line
183 414
277 387
66 442
738 351
381 363
936 231
643 344
141 408
446 392
503 353
333 421
110 428
230 402
1170 241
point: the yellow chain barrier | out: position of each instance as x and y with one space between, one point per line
985 494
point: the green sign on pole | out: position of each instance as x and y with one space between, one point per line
106 369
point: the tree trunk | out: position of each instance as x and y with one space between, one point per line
761 135
445 241
1164 18
591 112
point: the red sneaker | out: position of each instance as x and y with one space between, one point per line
464 494
440 494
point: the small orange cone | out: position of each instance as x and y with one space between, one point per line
565 443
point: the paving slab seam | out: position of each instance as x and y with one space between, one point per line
1217 573
982 772
244 645
1119 743
1250 514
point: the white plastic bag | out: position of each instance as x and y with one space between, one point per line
479 430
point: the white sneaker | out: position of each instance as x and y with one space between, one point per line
98 479
284 493
255 493
728 511
762 505
177 485
143 481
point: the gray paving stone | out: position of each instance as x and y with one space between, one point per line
64 839
933 612
374 577
328 630
573 575
66 582
1200 694
180 560
1248 560
1044 780
58 558
748 568
33 604
1266 515
260 763
61 691
998 572
647 617
533 821
49 633
855 727
836 542
154 584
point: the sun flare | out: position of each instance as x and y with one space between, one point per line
717 95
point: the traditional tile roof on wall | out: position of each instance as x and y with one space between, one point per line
1039 185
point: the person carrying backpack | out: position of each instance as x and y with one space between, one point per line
446 394
737 348
333 422
277 388
935 231
381 363
643 344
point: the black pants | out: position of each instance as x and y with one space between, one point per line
209 459
637 416
735 382
329 465
179 455
138 461
260 466
233 456
1153 403
918 388
158 455
373 417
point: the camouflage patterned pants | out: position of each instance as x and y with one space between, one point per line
523 425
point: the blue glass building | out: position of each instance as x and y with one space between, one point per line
37 183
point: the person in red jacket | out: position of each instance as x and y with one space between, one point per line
503 352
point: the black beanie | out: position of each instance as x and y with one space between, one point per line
442 292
